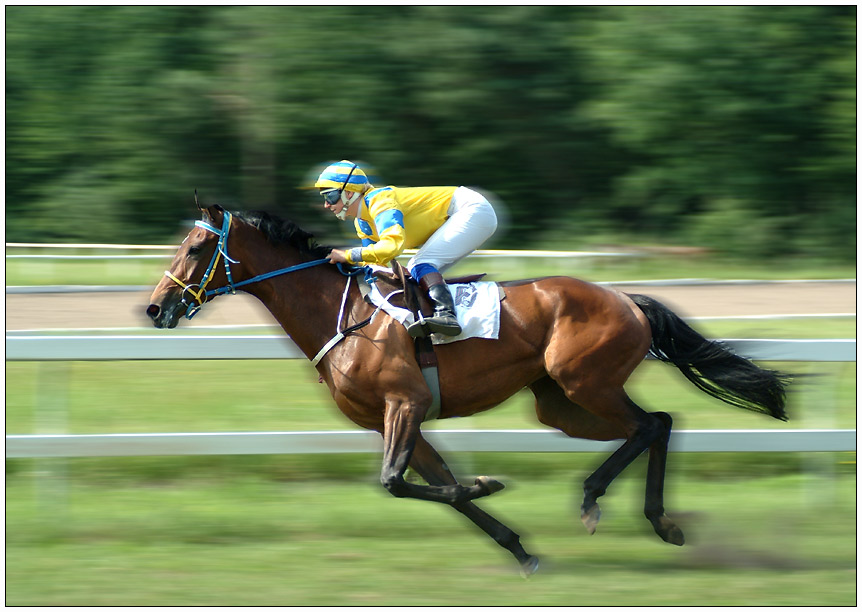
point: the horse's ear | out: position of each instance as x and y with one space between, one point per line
205 213
208 212
212 213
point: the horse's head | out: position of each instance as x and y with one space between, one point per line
202 268
201 263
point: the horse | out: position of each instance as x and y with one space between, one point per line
574 344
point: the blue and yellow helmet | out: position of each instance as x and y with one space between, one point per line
335 175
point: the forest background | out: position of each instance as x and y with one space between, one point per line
731 128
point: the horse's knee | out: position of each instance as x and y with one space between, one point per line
394 484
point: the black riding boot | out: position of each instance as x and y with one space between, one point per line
444 320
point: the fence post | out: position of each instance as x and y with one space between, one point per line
50 416
819 410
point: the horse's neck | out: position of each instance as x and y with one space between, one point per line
306 303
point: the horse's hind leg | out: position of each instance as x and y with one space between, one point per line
641 431
554 408
428 463
654 499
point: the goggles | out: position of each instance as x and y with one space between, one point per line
331 196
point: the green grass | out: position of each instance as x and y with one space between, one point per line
138 397
149 272
785 539
826 327
86 272
654 267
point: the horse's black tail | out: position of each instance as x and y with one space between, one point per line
711 366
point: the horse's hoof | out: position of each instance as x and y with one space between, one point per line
668 531
529 567
674 536
590 518
489 485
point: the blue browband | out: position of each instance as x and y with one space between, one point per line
202 294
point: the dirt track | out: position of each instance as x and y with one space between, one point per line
64 310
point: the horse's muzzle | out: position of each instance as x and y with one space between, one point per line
164 316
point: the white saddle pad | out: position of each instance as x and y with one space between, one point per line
477 307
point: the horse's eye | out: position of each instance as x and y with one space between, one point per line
195 250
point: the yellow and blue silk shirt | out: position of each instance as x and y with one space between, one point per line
392 219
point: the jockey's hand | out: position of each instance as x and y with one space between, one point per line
337 256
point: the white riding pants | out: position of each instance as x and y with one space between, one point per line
471 222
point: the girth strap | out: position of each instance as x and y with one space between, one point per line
340 335
427 359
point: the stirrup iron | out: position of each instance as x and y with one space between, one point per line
417 329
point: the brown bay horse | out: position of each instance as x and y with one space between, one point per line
573 343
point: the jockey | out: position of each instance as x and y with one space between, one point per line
445 223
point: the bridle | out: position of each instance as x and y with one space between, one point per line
195 295
200 295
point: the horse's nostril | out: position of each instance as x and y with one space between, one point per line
153 311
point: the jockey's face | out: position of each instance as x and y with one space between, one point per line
342 206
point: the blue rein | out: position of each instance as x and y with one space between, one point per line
203 295
232 287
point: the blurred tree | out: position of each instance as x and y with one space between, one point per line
662 123
728 105
87 150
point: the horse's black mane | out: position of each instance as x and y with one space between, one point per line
281 231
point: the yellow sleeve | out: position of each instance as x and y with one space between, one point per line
389 221
390 246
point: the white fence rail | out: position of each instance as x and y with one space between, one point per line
74 348
173 346
312 442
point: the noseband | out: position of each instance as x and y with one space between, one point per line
195 295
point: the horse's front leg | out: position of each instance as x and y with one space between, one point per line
428 463
400 434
